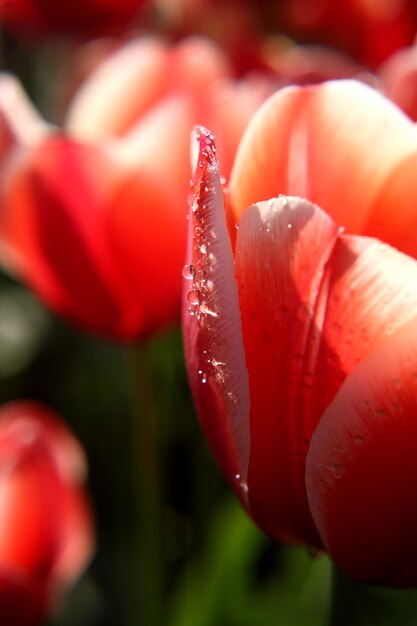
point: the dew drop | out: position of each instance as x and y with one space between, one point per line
204 308
201 276
193 297
188 272
289 226
204 248
242 483
202 375
337 469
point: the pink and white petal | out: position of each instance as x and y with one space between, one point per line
211 324
362 464
334 144
283 247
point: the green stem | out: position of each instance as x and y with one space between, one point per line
147 554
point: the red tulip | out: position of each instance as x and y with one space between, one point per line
46 536
369 30
93 219
77 17
301 337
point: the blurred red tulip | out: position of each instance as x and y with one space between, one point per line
46 537
79 18
369 30
301 338
94 219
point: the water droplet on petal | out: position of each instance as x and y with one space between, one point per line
201 276
193 297
188 272
337 470
204 308
242 483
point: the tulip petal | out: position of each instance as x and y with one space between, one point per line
393 217
138 76
52 231
362 464
20 123
334 144
228 106
314 303
146 231
282 249
119 91
370 294
211 324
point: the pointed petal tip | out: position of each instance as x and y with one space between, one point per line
203 150
211 320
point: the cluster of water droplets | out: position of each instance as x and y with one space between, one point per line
199 295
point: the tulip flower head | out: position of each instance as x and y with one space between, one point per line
300 335
46 537
93 218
